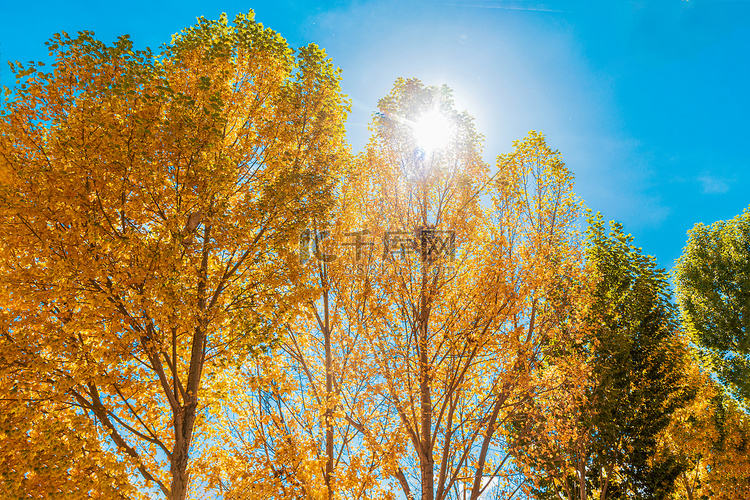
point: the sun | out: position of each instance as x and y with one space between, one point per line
432 131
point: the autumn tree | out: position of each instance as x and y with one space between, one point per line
146 200
709 438
557 453
602 437
455 335
457 343
712 280
50 450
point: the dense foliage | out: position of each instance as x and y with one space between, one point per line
204 294
598 436
712 279
140 196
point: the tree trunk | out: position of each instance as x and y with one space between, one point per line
329 394
581 469
425 395
688 486
183 430
184 417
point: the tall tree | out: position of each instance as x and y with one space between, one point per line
601 441
639 367
144 200
712 280
455 341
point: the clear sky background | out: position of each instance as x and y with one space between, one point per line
648 101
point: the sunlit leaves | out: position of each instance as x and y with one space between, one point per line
712 279
147 202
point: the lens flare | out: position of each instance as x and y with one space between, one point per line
432 131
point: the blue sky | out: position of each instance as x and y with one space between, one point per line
647 100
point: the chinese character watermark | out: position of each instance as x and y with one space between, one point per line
428 243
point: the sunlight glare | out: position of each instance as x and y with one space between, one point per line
432 131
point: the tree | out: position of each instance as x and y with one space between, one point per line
557 453
455 342
458 346
712 281
601 441
146 201
639 366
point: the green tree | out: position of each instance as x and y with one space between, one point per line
601 440
712 280
638 368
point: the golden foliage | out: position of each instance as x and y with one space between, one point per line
141 198
405 368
